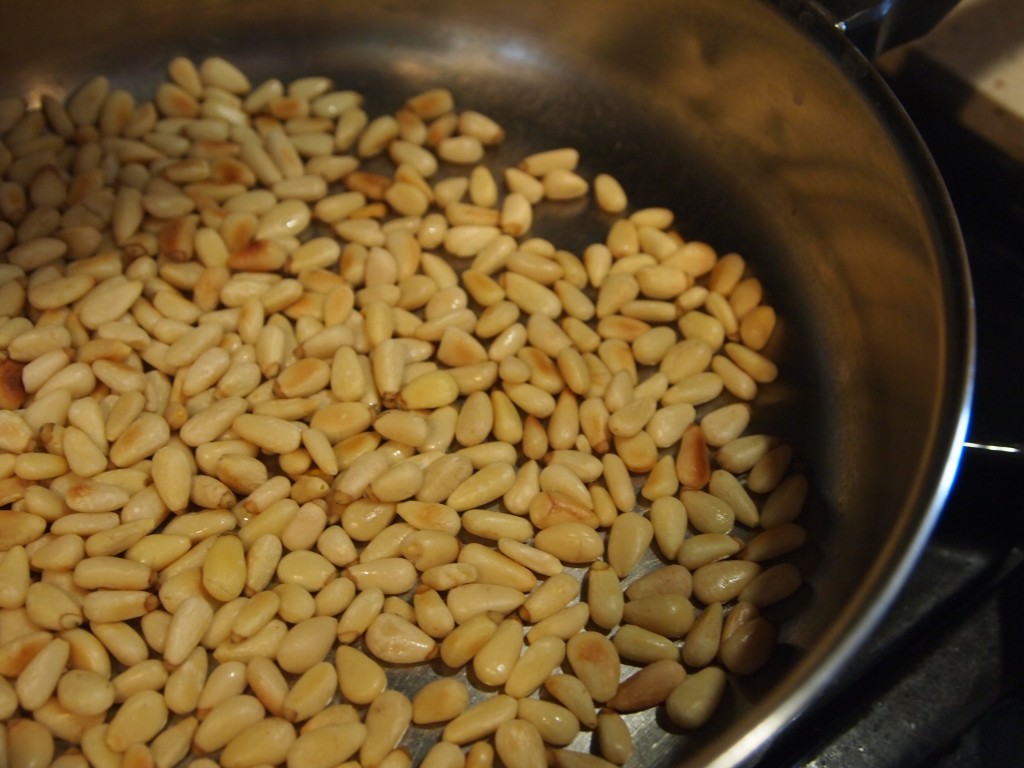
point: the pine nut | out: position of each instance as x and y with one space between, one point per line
481 720
386 722
724 580
395 640
693 702
574 696
245 452
595 661
519 744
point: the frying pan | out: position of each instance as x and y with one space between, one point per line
767 133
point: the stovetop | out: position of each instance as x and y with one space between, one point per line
941 681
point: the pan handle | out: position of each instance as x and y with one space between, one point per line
875 26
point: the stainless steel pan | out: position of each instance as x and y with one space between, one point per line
767 133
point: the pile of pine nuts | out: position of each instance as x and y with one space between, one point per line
295 407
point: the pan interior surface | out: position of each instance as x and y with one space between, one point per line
761 140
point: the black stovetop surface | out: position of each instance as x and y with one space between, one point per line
941 681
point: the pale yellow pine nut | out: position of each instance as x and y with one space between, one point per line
15 577
705 548
363 609
570 691
255 614
85 692
563 625
386 722
494 567
38 680
27 742
267 741
536 560
431 613
305 527
360 678
141 717
595 661
642 646
439 479
614 739
224 568
467 600
444 754
310 571
484 486
549 508
493 525
307 695
397 483
263 643
117 605
429 516
570 542
734 378
519 744
393 575
185 683
669 521
618 482
268 683
480 720
121 641
187 628
494 662
666 614
724 580
429 390
604 595
727 487
331 745
704 637
484 128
